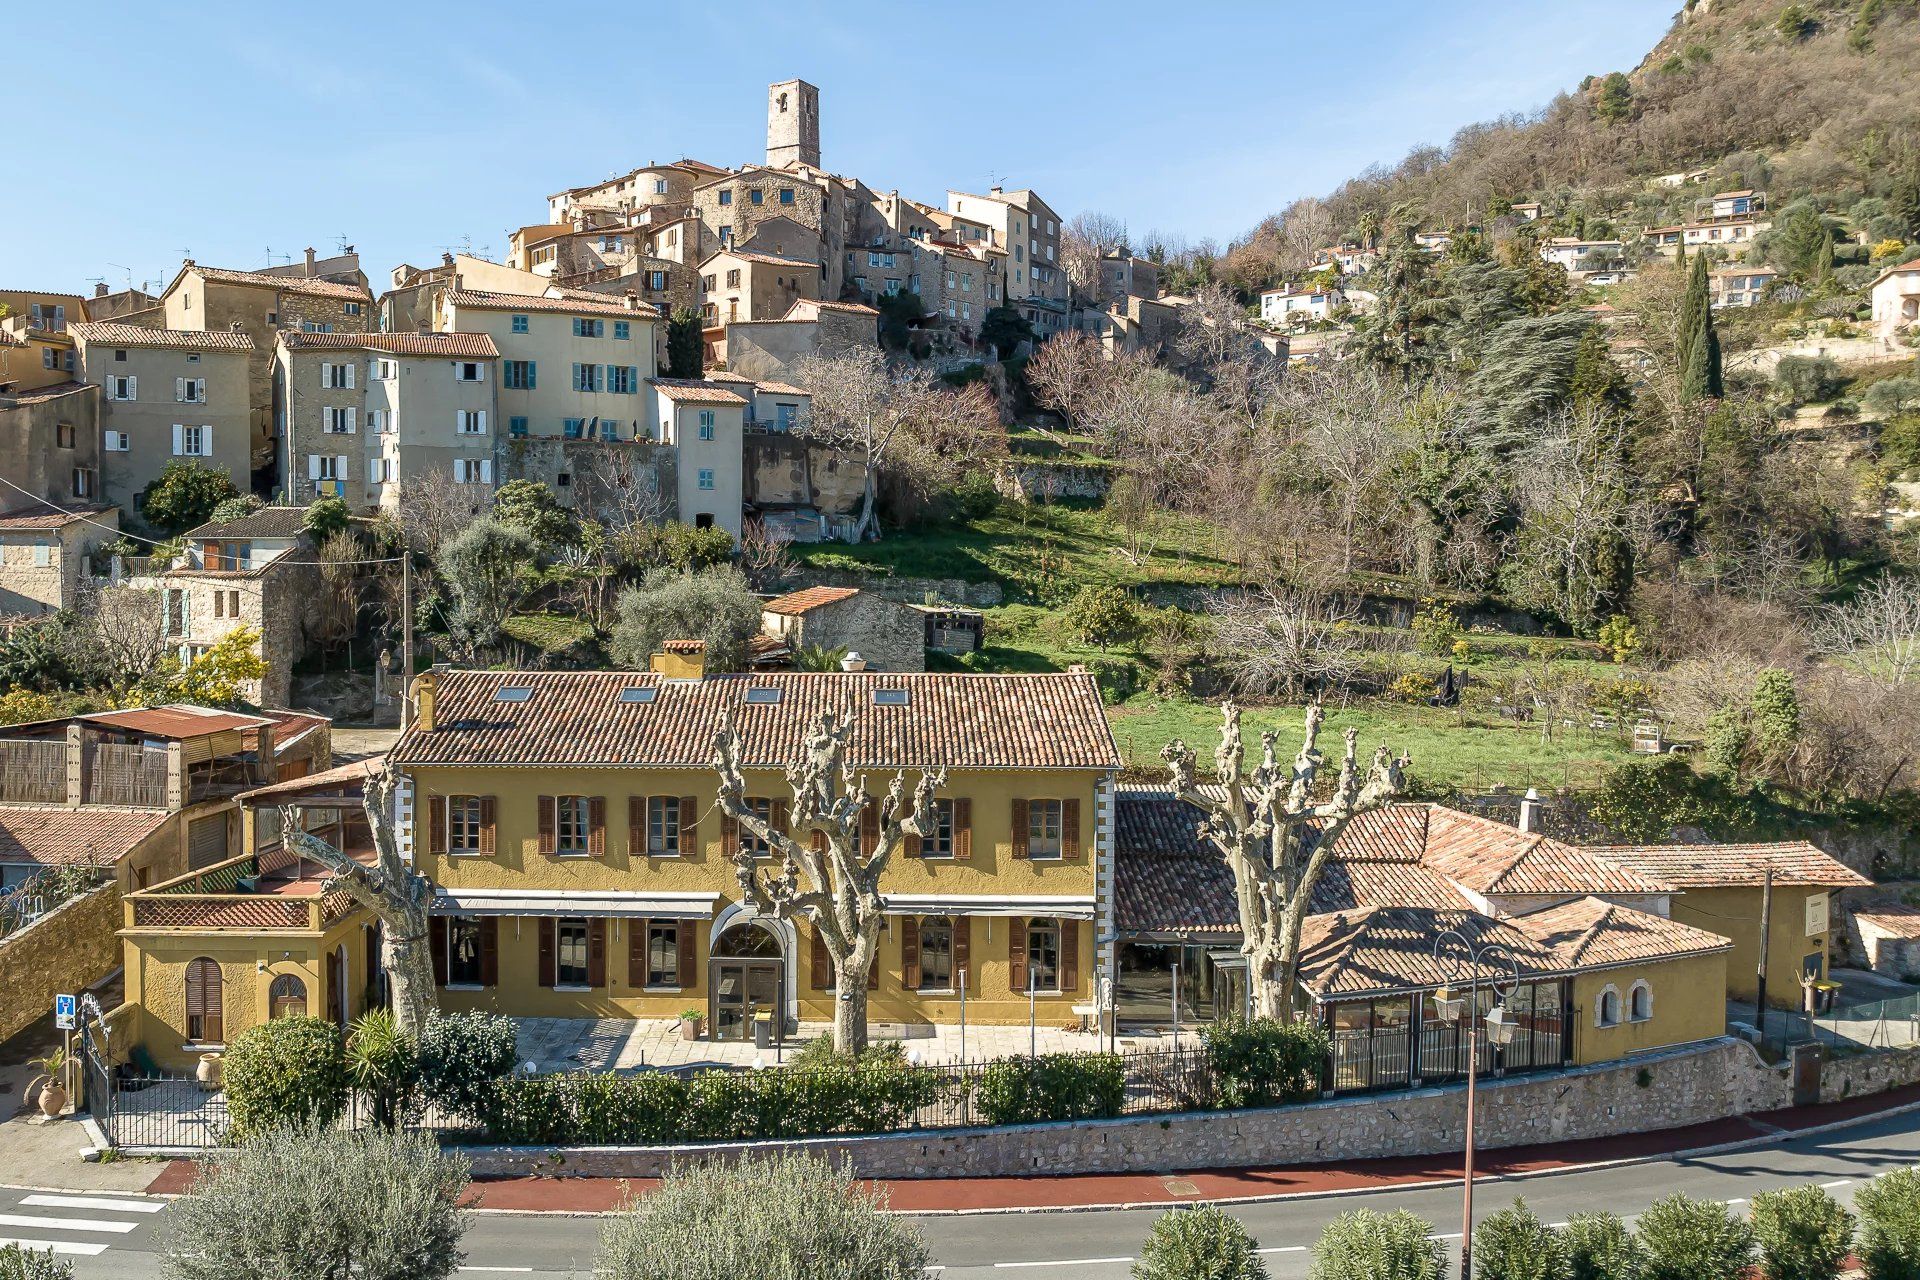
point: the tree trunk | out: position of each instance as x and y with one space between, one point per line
409 965
867 523
850 1014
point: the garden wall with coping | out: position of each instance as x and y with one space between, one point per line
65 951
1683 1086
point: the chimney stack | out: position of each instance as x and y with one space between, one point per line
1530 810
680 660
100 289
853 662
309 262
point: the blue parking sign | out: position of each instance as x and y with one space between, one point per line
63 1013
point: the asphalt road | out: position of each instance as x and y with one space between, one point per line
112 1237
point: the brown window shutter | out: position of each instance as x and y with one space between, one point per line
1069 956
729 835
962 827
210 556
910 952
1019 828
822 962
873 970
779 819
819 841
490 951
869 828
689 829
636 953
546 944
1069 828
684 958
1017 954
546 828
597 826
437 824
597 952
636 828
962 952
489 822
437 945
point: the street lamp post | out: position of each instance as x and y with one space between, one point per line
1500 1028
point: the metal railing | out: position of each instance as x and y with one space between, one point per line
1869 1024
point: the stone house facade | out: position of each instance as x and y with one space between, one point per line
50 445
887 635
740 284
43 555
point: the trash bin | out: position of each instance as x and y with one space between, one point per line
763 1031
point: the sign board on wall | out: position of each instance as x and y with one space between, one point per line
1816 913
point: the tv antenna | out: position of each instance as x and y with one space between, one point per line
341 241
128 270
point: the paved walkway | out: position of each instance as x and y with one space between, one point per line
611 1044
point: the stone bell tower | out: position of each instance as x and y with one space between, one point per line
793 124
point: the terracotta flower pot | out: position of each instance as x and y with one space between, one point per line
208 1072
53 1100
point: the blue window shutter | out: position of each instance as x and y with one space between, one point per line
633 377
576 375
529 375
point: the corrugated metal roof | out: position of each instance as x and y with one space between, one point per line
577 718
177 720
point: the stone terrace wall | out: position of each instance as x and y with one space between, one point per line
64 952
1679 1087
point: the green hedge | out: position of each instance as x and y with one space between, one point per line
1264 1062
1055 1086
288 1071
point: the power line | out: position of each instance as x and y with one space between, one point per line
152 542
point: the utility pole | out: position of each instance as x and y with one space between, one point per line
1766 926
406 637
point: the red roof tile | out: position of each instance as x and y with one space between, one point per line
138 335
528 302
45 515
469 346
286 284
61 837
1715 866
694 391
795 603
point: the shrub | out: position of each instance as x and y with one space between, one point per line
1804 1234
462 1057
1889 1209
1264 1062
773 1218
1412 686
620 1110
285 1072
1435 627
1053 1086
1619 637
325 517
238 508
1103 616
1364 1245
385 1065
1809 379
1599 1247
1688 1239
17 1263
1204 1243
184 495
529 1111
715 606
368 1203
1513 1244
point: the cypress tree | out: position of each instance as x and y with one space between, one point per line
1699 354
1823 259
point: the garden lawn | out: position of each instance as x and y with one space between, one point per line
1449 749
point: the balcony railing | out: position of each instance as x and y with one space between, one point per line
227 895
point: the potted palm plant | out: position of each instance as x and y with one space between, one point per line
692 1023
52 1078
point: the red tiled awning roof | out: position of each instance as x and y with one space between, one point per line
54 836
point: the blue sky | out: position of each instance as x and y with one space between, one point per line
232 129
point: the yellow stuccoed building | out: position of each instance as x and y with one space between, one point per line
567 821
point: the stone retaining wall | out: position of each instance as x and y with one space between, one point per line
64 952
1678 1087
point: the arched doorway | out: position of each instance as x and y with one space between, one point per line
747 974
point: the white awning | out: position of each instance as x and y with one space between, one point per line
1066 906
528 902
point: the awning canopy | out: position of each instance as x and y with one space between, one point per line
523 902
1065 906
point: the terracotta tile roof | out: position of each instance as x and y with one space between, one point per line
1713 866
795 603
60 837
577 718
57 391
694 391
176 720
1492 857
765 259
113 334
290 726
286 284
267 522
342 779
857 308
466 346
1896 918
47 516
781 389
597 305
1591 933
721 375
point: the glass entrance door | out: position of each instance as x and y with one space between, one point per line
743 989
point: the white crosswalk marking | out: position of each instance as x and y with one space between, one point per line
78 1248
61 1222
94 1202
45 1223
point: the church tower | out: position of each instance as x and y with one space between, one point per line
793 124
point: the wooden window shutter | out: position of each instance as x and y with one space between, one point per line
962 952
437 824
489 822
597 952
1017 954
1019 831
873 971
819 841
489 951
597 827
822 962
869 828
962 827
636 828
910 952
1069 956
210 555
729 835
546 945
637 953
1069 828
779 816
689 832
437 944
684 958
546 831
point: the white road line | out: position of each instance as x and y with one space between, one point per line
1838 1182
1060 1262
1284 1248
84 1249
1737 1200
64 1224
515 1270
94 1202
